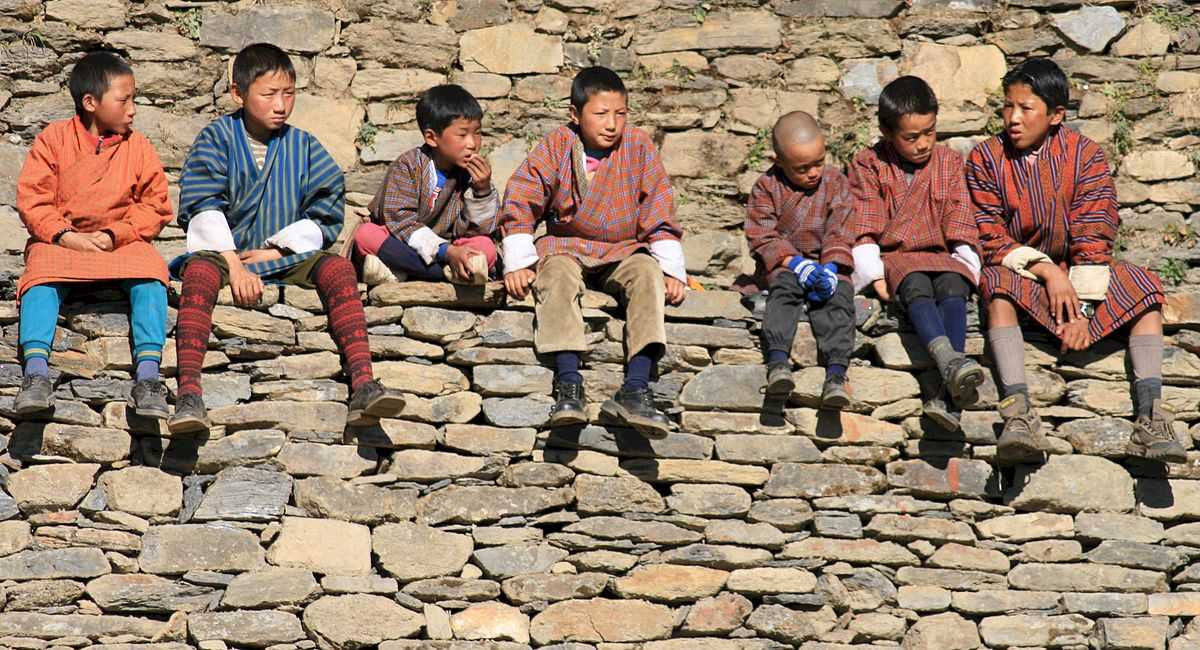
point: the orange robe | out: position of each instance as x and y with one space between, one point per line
74 181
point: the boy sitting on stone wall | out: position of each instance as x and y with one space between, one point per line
797 222
608 205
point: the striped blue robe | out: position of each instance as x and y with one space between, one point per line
299 180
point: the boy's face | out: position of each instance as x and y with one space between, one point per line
114 111
1027 118
914 137
602 119
457 144
269 100
802 163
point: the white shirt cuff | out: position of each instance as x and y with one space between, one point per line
1020 259
519 252
209 231
426 243
481 210
669 253
304 236
868 265
966 254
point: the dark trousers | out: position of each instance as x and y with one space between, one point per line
932 286
832 322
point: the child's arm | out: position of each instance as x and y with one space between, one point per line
836 239
958 224
762 228
869 220
37 187
997 246
525 199
151 210
323 208
1094 218
656 216
481 203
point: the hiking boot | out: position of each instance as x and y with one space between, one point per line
962 379
942 411
36 395
190 415
1022 437
834 396
373 401
1153 437
478 266
375 272
568 409
779 379
150 399
635 408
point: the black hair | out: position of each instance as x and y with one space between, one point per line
441 105
596 79
92 75
256 60
907 95
1045 78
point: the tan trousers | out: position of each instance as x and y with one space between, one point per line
560 282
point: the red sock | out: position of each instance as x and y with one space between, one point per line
337 285
201 282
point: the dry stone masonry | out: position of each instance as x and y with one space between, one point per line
468 525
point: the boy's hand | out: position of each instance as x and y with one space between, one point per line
517 282
1064 302
881 289
260 255
1074 335
85 242
674 289
481 173
457 258
247 287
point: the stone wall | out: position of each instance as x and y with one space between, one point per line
466 524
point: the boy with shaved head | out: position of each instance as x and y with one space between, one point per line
796 221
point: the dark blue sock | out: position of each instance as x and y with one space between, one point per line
954 319
835 370
401 258
566 368
637 371
777 356
147 369
37 366
926 319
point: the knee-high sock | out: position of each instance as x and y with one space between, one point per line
926 319
637 371
1145 355
338 288
566 368
954 319
201 283
1008 350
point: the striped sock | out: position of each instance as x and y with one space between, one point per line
201 282
338 287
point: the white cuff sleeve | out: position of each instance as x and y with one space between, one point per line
519 252
1020 259
209 231
965 254
868 265
426 243
669 253
304 236
481 210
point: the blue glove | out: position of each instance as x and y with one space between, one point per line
822 284
804 269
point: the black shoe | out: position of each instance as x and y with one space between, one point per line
635 409
779 379
36 395
372 401
150 399
834 395
190 415
569 407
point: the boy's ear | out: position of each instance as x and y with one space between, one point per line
90 102
1058 115
574 114
237 95
431 137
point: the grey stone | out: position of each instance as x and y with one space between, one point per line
500 562
1091 28
481 504
360 620
653 532
245 494
531 588
149 594
433 590
326 496
1084 578
954 477
62 626
820 480
253 628
413 551
297 29
53 564
507 328
496 380
529 411
1096 526
732 388
177 549
1054 486
605 494
627 443
707 500
1136 555
270 588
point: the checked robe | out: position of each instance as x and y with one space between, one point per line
783 220
1060 201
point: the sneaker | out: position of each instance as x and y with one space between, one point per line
963 377
190 415
478 266
1022 437
569 407
150 399
943 412
635 409
36 395
1153 437
779 379
375 272
373 401
834 396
